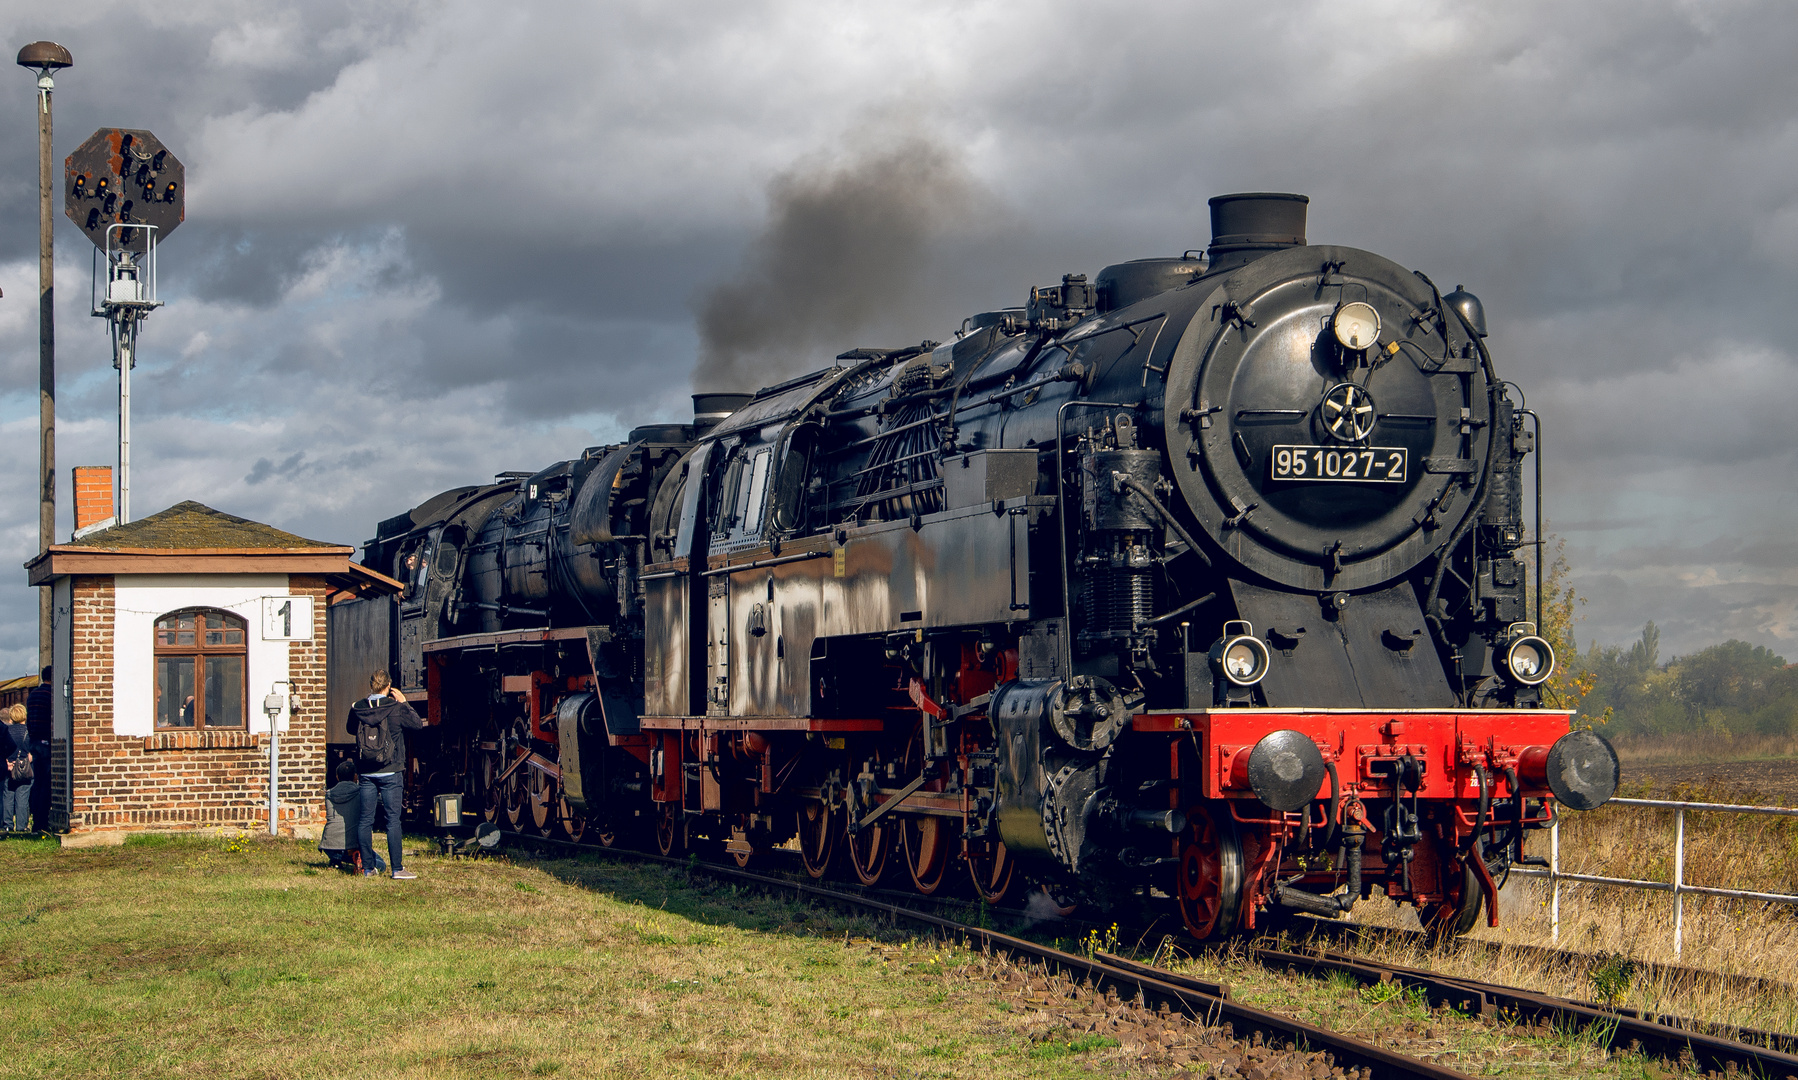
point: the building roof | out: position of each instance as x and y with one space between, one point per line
193 526
190 538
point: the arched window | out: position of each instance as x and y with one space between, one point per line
199 670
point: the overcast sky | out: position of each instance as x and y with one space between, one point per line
426 242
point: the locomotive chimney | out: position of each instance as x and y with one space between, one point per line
1247 226
709 409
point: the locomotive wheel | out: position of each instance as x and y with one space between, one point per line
1208 875
572 824
491 766
542 794
671 829
818 829
1459 911
869 852
513 800
603 833
993 871
925 841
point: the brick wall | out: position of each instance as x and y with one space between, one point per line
93 494
303 780
190 780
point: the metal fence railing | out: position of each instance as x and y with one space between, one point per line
1678 886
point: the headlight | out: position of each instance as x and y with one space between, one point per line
1356 326
1240 657
1528 659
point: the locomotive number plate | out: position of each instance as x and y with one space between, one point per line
1364 464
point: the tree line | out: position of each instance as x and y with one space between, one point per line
1729 689
1627 691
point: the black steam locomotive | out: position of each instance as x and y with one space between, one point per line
1196 581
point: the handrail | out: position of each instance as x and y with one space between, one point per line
1678 886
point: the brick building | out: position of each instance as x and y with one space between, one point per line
168 633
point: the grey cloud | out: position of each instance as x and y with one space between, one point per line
499 229
288 469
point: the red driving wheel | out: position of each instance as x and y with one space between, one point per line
1209 874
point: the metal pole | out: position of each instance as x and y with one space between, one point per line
46 357
127 359
274 778
1554 880
1679 879
272 706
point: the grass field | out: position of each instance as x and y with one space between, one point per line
217 958
245 959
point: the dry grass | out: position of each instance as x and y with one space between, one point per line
1703 747
206 957
1626 932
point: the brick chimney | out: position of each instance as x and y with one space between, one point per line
93 495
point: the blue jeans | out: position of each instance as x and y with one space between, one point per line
385 790
15 805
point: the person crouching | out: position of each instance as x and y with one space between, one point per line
343 812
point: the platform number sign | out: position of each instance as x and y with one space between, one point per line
287 618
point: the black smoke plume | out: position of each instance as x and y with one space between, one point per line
847 247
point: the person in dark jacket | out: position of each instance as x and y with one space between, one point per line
382 754
15 807
38 724
343 813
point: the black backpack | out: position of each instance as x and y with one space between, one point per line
21 769
375 742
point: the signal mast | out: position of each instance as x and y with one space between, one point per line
126 191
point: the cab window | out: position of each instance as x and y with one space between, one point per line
756 491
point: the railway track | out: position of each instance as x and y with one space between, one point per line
1307 927
1692 1043
1205 1002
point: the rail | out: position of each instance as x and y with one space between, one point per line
1734 1051
1205 1002
1679 887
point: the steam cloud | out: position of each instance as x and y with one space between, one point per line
844 246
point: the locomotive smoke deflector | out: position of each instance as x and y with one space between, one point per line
1581 768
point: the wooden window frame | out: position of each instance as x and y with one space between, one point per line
199 651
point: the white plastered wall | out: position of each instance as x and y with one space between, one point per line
138 599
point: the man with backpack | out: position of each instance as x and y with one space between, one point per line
378 724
